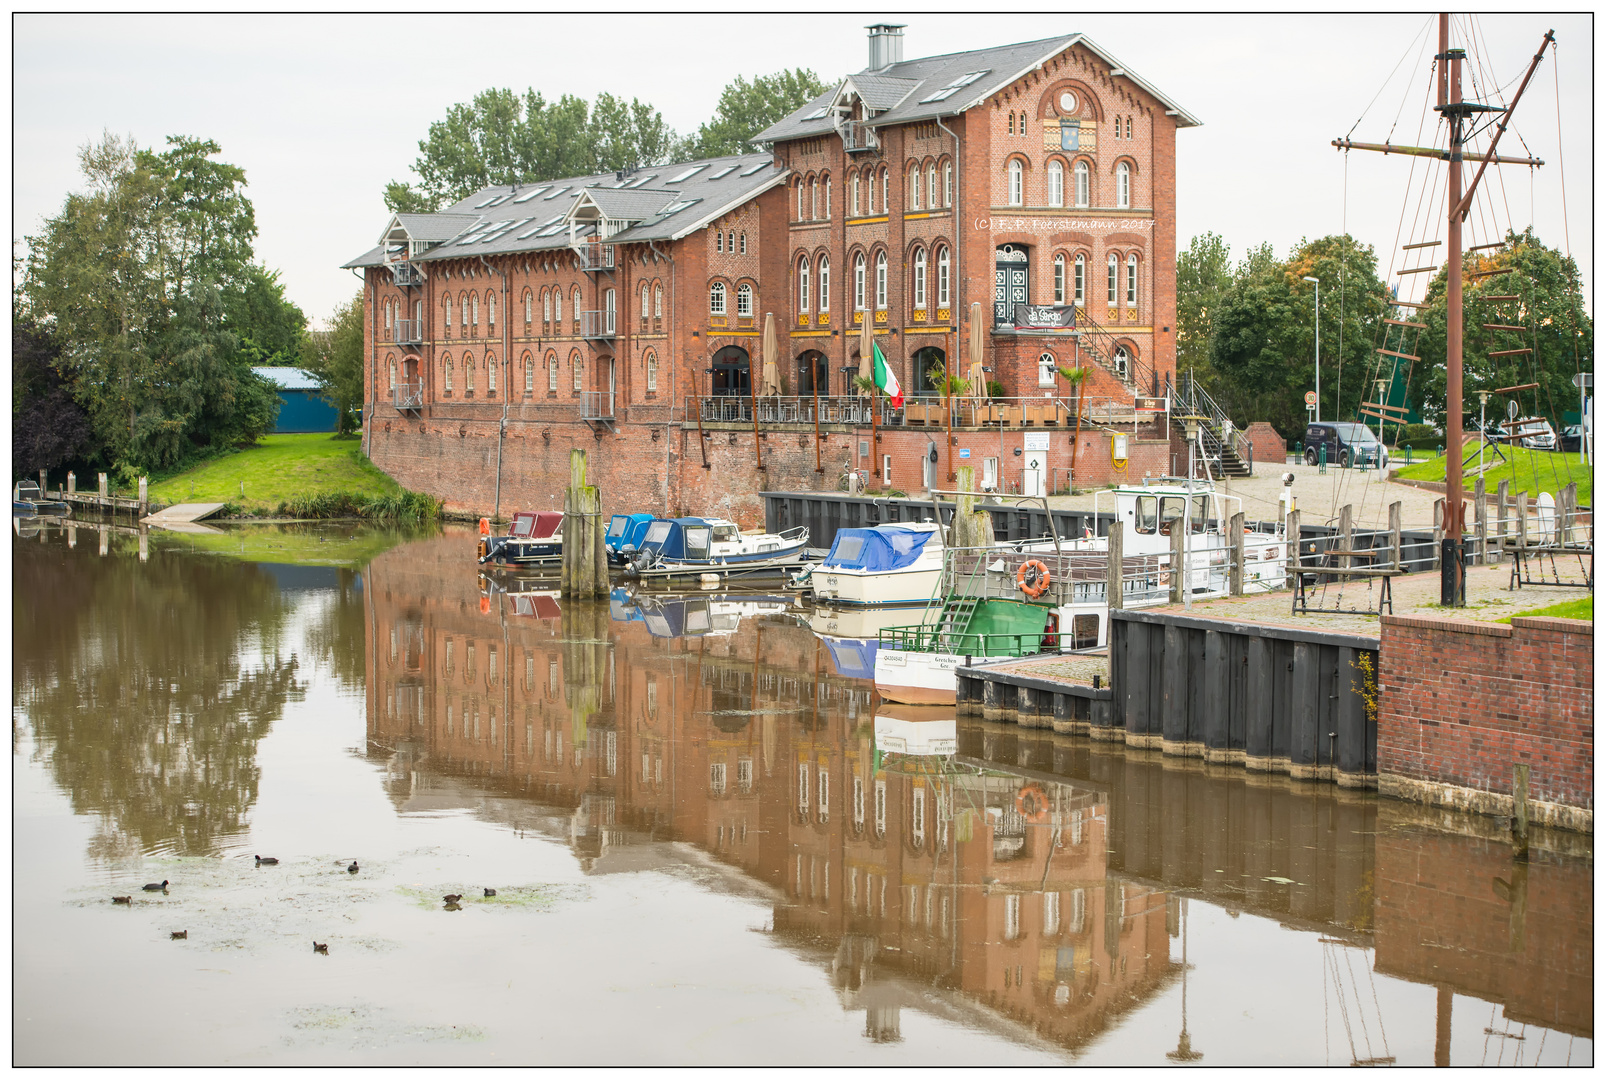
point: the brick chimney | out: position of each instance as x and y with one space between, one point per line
886 45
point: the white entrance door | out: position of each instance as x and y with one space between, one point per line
928 471
1033 475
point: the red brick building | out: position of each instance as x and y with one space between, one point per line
623 312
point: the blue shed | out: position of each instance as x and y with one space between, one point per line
300 407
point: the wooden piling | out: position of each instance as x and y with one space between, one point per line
1293 549
1438 532
72 483
1178 564
102 487
1522 519
1235 534
1519 812
1567 512
584 568
1346 533
1480 522
144 497
1502 511
1114 592
1394 535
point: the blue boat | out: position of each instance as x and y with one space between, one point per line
625 532
692 544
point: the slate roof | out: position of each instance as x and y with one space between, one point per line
666 208
1003 65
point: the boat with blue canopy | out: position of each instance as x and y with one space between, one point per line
692 545
886 565
625 532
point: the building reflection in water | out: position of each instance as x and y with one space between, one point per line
1036 880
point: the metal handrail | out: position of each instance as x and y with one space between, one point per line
596 404
597 324
410 395
410 331
595 256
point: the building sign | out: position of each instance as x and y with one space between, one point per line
1149 404
964 452
1036 441
1044 317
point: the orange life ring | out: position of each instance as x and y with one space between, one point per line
1032 803
1037 584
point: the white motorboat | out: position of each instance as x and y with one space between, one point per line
887 565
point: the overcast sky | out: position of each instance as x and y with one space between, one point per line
322 110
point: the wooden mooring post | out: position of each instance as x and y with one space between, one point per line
1235 534
585 560
1394 536
1179 575
1293 549
1519 812
1480 522
1502 512
1114 589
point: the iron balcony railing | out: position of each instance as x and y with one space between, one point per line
919 410
406 274
597 325
595 256
596 404
859 135
410 331
410 395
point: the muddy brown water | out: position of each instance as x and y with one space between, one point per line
708 845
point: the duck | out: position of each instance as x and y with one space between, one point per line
181 935
122 899
320 948
352 869
490 892
162 887
452 898
265 862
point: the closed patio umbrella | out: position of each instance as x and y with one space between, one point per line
977 377
866 350
772 375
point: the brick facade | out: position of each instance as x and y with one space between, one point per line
932 203
1462 702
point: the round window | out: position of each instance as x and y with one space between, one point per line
1068 102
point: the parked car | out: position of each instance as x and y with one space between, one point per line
1347 444
1572 438
1531 432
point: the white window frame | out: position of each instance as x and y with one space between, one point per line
942 277
468 374
1059 279
803 783
657 301
575 302
716 298
490 374
529 374
529 308
824 292
448 302
947 183
652 372
1017 183
719 241
814 200
1056 184
1083 182
881 281
716 778
744 301
579 370
1123 186
557 310
476 300
392 375
490 302
881 814
552 372
448 377
1047 369
858 800
646 292
858 282
886 190
462 302
1079 282
827 198
803 284
823 806
914 188
744 244
800 189
1112 286
920 278
1132 279
931 185
853 194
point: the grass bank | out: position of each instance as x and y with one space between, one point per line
304 476
1567 609
299 543
1532 471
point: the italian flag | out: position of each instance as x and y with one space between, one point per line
885 380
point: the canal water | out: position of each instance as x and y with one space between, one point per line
709 844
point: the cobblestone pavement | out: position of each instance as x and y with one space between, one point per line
1075 669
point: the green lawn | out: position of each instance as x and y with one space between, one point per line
277 468
305 544
1532 471
1567 609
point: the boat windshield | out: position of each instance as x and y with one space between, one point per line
697 542
616 527
848 548
726 533
658 532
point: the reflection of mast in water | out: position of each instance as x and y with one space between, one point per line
1184 1050
1334 975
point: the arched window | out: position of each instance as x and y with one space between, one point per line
1132 280
1079 282
652 373
476 300
744 243
1059 279
393 374
1016 184
448 303
853 195
1056 184
744 301
610 307
858 282
1122 360
389 315
1115 270
803 284
881 279
716 298
657 301
449 373
920 277
574 307
942 277
1047 369
490 301
947 183
825 284
1081 183
557 311
886 191
462 303
546 311
490 374
529 374
869 194
579 373
931 185
529 308
646 311
468 374
719 241
914 187
828 198
800 200
1123 185
814 198
552 372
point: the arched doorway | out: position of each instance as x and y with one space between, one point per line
731 375
926 361
812 373
1010 285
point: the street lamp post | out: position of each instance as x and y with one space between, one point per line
1190 424
1318 284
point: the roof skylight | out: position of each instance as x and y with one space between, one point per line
953 87
751 169
555 193
688 174
528 195
638 181
726 171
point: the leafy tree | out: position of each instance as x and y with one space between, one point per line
502 138
1549 305
746 108
48 428
1263 347
132 279
1204 275
270 326
335 357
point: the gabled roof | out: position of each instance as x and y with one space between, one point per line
996 68
427 227
666 203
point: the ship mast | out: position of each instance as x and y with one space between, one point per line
1453 588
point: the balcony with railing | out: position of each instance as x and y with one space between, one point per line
859 135
596 405
410 395
597 325
409 331
928 411
594 257
406 274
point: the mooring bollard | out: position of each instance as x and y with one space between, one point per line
72 483
102 488
1114 585
1519 812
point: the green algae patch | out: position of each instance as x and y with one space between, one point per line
524 897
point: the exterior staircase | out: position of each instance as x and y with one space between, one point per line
1226 452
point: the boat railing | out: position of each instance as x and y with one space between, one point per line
923 637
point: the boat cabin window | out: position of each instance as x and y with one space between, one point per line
1171 510
848 548
522 524
1143 520
658 532
617 526
726 533
1084 631
697 542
